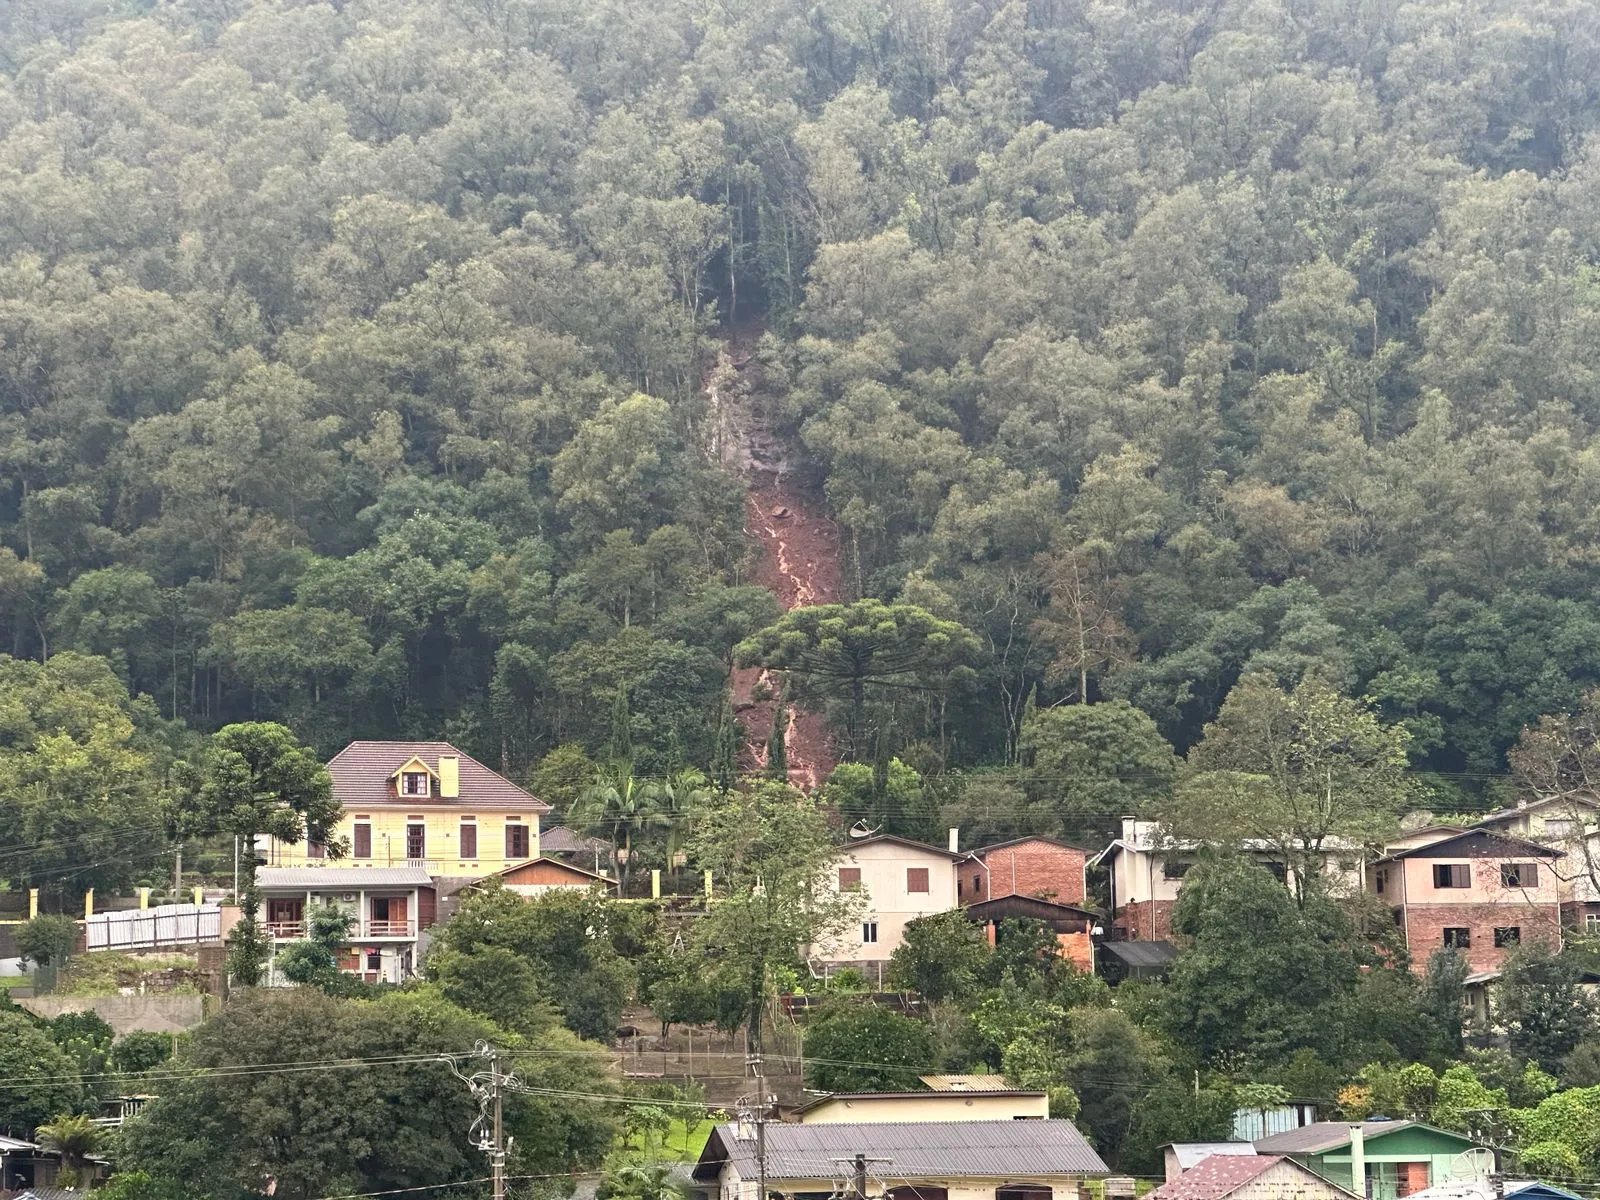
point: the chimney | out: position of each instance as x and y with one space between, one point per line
1130 829
449 776
1358 1160
955 839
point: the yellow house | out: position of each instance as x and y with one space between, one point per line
421 804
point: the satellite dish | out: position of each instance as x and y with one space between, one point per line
861 830
1477 1163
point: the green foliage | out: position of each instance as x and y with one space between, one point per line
1263 977
402 1125
858 1046
1543 1005
314 960
861 652
1090 761
941 958
80 779
770 852
43 1078
562 938
47 939
1297 770
140 1051
895 804
75 1137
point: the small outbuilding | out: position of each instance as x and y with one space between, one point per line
1179 1157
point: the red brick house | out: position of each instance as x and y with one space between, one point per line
1479 893
1039 867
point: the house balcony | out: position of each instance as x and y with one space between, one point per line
387 929
286 930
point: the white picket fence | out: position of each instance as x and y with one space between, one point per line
147 928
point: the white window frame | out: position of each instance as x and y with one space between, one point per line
869 933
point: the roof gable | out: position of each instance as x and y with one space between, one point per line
535 865
1221 1175
1048 841
411 766
1479 843
364 772
880 839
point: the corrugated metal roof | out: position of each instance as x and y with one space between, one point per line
1321 1136
966 1083
348 879
11 1145
558 839
361 774
1222 1174
1142 954
879 839
914 1150
1192 1154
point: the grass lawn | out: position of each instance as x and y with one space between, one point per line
16 981
682 1144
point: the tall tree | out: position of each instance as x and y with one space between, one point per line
251 780
853 652
1299 772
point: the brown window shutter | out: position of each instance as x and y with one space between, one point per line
916 879
849 879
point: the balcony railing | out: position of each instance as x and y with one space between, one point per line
286 929
380 929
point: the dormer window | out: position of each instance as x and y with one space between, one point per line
414 783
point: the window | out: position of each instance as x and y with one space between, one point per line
374 960
1277 870
516 839
1174 868
977 885
1560 828
1457 938
869 932
917 879
1511 935
1591 923
849 879
1452 875
416 840
469 837
1519 875
315 846
361 843
1380 881
414 783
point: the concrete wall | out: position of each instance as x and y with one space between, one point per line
165 1012
929 1106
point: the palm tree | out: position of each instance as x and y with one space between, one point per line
619 807
678 799
75 1138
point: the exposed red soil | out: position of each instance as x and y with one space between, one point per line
799 563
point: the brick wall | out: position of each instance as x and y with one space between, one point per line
1040 869
1425 925
1144 921
1078 949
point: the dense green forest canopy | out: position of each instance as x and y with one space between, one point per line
351 353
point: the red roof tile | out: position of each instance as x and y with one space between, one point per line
1220 1175
361 773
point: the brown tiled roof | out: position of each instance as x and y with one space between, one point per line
558 839
1218 1176
1035 837
361 774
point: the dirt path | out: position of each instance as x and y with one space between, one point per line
799 560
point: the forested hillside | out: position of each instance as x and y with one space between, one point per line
352 354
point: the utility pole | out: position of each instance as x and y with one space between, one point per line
177 873
858 1173
759 1114
236 867
498 1163
488 1088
